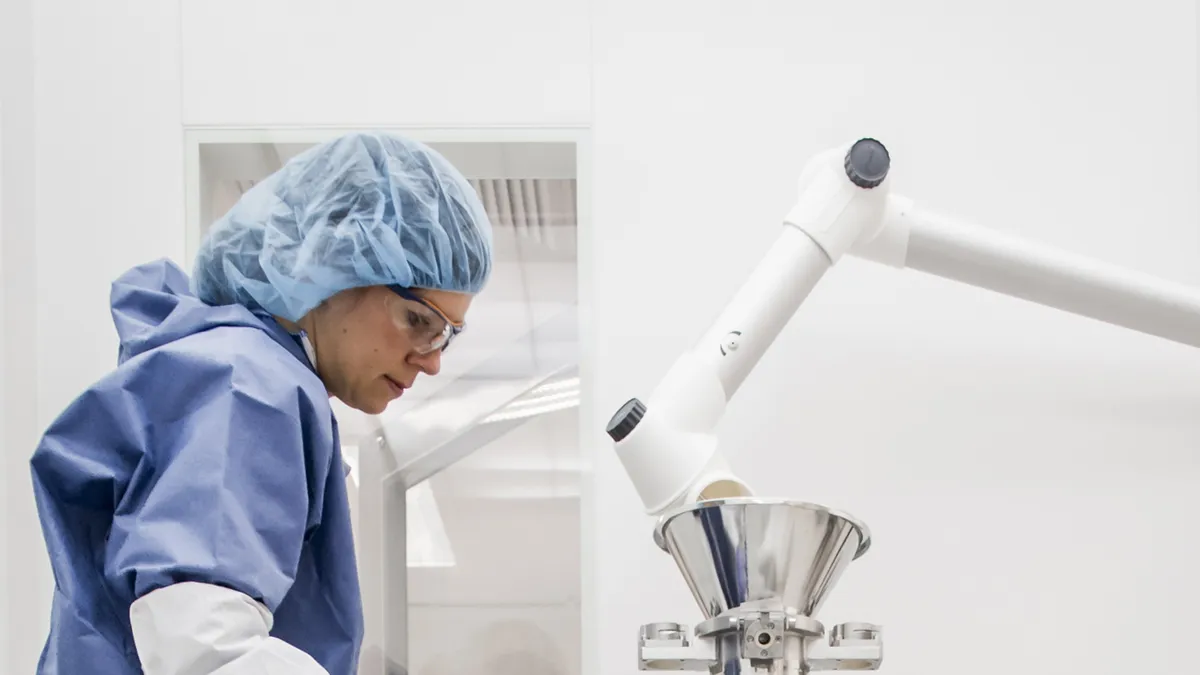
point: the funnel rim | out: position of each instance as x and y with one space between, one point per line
864 532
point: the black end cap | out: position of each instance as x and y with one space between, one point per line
626 420
867 163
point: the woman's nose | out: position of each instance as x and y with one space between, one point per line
430 363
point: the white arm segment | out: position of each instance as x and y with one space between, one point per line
671 452
668 444
951 249
199 629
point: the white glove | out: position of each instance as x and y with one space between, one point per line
200 629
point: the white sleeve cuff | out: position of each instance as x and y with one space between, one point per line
201 629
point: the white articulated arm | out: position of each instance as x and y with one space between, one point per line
951 249
668 444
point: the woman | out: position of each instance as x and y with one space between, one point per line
193 501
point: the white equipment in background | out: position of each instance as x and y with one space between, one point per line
398 459
760 569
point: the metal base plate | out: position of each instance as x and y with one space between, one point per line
776 643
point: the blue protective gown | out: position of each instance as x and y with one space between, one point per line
211 455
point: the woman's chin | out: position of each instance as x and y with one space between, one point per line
370 405
376 407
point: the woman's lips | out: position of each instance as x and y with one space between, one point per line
396 387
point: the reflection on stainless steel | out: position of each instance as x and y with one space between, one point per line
760 570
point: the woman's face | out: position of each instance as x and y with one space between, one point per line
371 343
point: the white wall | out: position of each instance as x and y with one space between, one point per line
454 62
1021 470
3 398
17 368
1030 478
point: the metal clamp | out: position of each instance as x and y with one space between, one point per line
665 646
851 646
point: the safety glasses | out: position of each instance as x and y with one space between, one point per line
427 325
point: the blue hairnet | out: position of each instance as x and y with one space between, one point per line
362 210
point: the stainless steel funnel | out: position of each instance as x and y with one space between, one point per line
761 554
